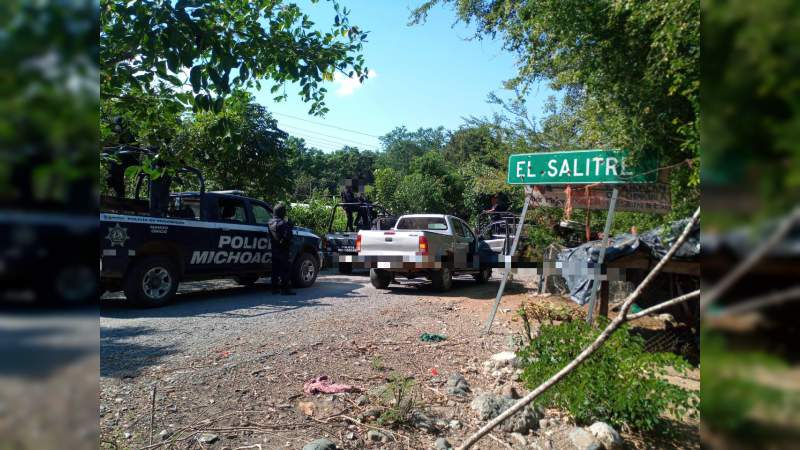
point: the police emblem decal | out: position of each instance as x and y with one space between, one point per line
117 235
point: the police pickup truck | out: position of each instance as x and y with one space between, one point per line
198 236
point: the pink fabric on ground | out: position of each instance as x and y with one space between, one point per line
323 385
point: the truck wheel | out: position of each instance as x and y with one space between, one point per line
442 279
304 270
152 282
379 278
345 268
74 285
483 276
246 280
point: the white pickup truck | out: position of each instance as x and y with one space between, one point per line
434 246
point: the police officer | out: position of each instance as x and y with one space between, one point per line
364 212
349 209
280 233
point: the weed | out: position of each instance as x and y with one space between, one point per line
397 396
377 363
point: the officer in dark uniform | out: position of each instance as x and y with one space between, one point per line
280 233
350 210
364 212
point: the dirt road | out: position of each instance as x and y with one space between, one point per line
221 348
229 364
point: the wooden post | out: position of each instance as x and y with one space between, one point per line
604 297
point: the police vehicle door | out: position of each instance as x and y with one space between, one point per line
240 246
261 216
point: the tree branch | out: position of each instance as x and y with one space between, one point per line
660 306
734 275
601 339
752 304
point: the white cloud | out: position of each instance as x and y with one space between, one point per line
348 85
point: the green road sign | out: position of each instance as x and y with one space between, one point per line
578 167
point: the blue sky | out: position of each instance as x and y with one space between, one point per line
422 76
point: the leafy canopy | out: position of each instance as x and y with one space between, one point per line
213 47
628 72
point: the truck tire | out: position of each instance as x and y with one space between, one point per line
442 279
152 282
304 270
380 278
345 268
246 280
74 285
483 276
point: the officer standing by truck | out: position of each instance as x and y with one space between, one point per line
348 197
280 233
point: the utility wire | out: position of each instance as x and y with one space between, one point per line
331 142
327 135
326 125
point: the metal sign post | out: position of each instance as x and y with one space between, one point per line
508 256
597 279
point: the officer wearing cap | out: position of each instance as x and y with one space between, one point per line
280 233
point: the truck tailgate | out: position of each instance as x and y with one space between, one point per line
389 243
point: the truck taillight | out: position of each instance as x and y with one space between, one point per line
423 245
358 243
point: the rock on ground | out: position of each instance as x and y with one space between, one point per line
207 438
320 444
377 436
457 385
583 440
488 406
442 444
607 435
500 360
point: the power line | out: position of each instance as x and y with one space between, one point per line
333 142
331 145
327 135
325 144
326 125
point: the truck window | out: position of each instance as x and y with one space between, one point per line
184 208
261 214
232 210
422 223
465 231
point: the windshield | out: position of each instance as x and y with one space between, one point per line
422 223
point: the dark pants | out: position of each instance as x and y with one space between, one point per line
349 212
281 269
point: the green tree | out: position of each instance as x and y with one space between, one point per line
630 69
253 158
401 146
158 58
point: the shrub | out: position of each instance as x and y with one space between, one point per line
315 214
620 383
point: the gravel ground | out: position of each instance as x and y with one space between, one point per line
230 362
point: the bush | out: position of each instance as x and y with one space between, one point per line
315 214
620 383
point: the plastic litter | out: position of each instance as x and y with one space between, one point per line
322 384
431 337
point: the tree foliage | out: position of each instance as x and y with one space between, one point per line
253 157
161 58
628 71
214 47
